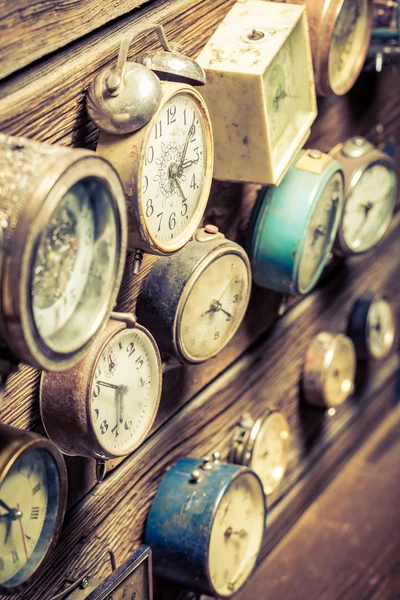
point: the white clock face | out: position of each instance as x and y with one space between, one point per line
319 236
381 328
348 40
369 208
237 534
289 96
74 266
125 391
215 307
29 498
174 173
270 451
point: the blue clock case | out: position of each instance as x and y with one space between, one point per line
279 224
180 521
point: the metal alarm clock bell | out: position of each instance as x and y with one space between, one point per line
160 143
340 32
370 195
206 525
260 90
33 496
294 225
195 300
63 223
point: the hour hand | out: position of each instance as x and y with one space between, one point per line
109 385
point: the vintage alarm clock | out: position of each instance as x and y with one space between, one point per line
33 495
372 327
206 525
370 195
130 581
195 300
329 370
260 90
293 226
165 155
63 220
263 445
340 32
104 407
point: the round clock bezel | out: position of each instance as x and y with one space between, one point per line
18 320
75 387
215 254
14 444
319 356
359 327
242 470
328 84
318 193
341 244
245 439
183 239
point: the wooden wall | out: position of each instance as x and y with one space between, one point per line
49 53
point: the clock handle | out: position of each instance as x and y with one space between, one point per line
115 79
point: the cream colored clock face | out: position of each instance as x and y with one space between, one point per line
340 374
237 534
28 510
348 40
270 451
369 208
381 328
174 172
288 96
215 307
125 391
319 239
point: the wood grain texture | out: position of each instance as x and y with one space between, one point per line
347 544
46 26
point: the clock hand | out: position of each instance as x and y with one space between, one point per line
179 188
189 163
241 534
109 385
23 535
6 507
191 132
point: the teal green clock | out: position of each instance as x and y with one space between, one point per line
294 225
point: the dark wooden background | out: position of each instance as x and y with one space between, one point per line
49 53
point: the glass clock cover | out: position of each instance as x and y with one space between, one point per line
373 327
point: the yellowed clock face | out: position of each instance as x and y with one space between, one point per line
29 503
237 533
270 451
348 41
340 373
381 329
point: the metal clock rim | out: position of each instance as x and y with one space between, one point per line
26 442
241 470
378 159
179 89
359 63
226 247
379 298
330 171
104 453
65 173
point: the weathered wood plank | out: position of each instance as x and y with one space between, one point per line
348 538
31 29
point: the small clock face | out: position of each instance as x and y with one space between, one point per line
236 535
369 208
381 328
125 391
270 451
215 307
29 506
348 40
321 227
74 267
340 374
174 172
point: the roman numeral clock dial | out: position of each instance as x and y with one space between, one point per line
32 505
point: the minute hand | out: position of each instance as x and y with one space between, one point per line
187 141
